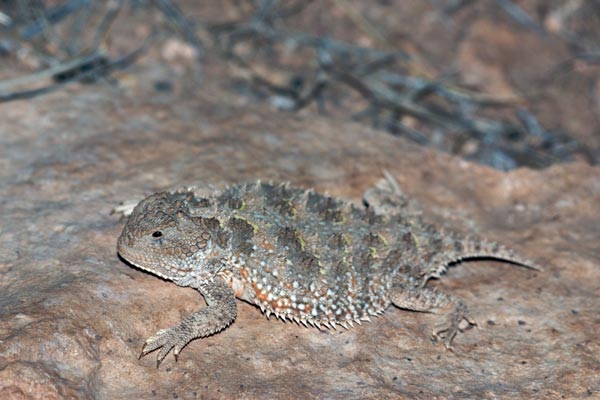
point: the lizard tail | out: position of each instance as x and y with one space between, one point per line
459 249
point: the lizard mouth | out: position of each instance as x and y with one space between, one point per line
131 261
141 261
131 257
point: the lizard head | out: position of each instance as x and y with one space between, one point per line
162 237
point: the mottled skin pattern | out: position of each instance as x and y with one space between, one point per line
297 254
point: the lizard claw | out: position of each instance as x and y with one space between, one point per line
165 340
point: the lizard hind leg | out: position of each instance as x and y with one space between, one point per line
407 293
386 198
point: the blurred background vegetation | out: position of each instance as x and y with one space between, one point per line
503 83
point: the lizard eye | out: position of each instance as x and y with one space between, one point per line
156 234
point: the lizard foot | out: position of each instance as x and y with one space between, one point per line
447 326
166 340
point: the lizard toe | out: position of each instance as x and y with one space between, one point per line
165 340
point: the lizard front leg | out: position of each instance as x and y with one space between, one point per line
219 313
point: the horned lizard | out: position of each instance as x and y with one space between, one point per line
297 254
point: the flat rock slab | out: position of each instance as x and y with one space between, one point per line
73 317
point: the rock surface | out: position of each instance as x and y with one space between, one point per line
73 317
